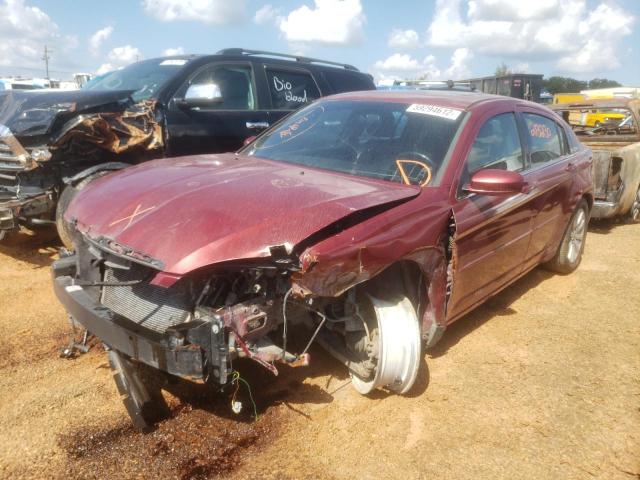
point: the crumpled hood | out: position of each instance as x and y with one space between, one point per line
31 113
195 211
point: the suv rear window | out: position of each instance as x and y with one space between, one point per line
344 81
291 90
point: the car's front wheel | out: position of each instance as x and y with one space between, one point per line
571 247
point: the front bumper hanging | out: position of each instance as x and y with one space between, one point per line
196 359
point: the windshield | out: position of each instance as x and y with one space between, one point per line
397 142
146 78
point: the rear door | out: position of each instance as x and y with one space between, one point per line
550 175
220 127
492 231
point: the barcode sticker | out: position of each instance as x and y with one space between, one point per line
435 110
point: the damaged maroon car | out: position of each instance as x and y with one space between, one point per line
374 218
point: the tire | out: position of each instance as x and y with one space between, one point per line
633 215
571 247
65 232
140 394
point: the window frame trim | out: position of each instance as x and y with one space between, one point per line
220 63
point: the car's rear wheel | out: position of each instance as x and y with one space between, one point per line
395 332
571 247
633 216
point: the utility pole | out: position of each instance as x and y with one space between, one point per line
46 58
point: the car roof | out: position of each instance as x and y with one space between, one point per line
452 99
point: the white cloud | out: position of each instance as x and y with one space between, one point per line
398 62
577 37
266 14
24 31
404 39
97 39
337 22
173 51
522 67
211 12
119 57
459 67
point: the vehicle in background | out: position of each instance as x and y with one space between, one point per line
376 219
526 86
21 84
616 153
53 143
428 85
568 97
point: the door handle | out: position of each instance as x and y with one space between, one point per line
570 167
257 125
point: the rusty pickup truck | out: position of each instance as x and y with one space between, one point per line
616 154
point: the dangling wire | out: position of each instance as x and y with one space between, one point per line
236 378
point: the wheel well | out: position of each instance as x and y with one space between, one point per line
403 277
589 198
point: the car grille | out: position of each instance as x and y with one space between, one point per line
601 167
150 306
8 159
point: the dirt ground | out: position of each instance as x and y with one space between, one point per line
541 382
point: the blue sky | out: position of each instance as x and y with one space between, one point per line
403 39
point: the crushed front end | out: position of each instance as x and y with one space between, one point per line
24 192
198 326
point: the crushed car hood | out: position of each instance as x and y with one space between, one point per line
186 213
33 113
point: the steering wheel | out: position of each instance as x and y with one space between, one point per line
424 162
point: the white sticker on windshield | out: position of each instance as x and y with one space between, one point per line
436 111
173 61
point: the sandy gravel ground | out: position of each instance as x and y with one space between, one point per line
541 382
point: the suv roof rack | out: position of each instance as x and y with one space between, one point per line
297 58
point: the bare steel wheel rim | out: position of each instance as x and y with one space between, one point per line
635 208
576 235
398 346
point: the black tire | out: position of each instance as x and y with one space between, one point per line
570 250
633 215
67 195
141 395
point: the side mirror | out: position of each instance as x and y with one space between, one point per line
496 182
248 140
202 95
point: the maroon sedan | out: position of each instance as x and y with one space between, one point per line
373 219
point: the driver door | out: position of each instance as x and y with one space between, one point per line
220 126
492 231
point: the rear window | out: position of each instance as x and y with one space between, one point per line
544 139
291 90
345 81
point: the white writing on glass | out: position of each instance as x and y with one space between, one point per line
286 87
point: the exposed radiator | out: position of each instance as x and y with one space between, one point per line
152 307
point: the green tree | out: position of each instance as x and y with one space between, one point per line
603 83
502 69
563 85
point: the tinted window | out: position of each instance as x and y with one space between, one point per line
544 139
369 139
236 86
291 90
345 81
497 145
